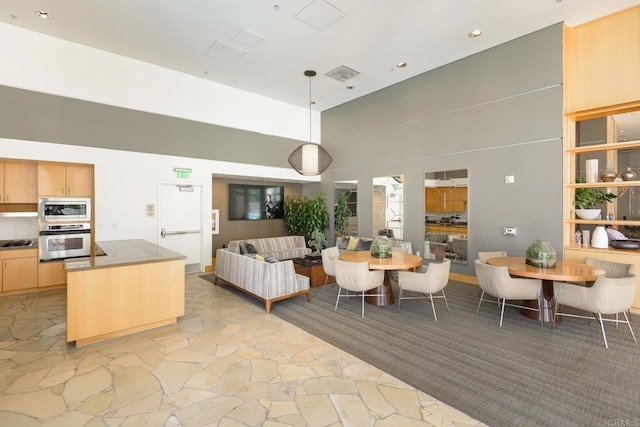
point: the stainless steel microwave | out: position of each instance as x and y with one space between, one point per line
64 209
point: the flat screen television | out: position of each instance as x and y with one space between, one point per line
248 202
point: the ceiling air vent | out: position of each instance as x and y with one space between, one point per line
342 73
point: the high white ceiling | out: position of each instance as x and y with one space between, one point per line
264 46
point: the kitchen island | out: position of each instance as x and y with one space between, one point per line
135 286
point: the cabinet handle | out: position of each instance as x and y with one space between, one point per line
68 191
4 265
62 191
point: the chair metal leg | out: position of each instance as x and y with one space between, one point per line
604 334
504 300
399 299
445 301
433 307
363 304
479 302
629 325
338 298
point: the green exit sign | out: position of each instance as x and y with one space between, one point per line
182 174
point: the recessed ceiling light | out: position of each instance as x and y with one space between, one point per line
350 86
401 64
42 14
475 33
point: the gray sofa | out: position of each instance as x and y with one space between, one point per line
267 281
280 248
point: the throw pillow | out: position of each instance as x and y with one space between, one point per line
270 259
259 257
243 248
353 242
343 242
251 249
364 245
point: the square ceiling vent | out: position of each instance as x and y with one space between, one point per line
342 73
319 14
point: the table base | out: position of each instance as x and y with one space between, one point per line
382 295
545 302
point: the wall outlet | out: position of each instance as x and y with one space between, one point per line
510 231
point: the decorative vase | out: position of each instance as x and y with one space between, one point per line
600 239
609 174
381 247
628 175
591 167
541 254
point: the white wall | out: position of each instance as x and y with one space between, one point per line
125 182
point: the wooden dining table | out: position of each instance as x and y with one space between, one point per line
562 272
383 295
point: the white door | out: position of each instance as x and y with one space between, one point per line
180 224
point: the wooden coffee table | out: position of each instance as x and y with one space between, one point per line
313 270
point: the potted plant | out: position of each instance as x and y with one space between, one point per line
317 241
341 214
587 199
303 216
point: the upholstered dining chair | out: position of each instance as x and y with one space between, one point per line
329 257
484 256
496 281
356 277
608 296
428 280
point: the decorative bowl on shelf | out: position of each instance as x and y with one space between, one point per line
625 244
588 213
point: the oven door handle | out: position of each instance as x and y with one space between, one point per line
61 232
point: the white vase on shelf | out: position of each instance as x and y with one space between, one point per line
600 238
591 167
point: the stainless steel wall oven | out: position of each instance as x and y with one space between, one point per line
64 209
60 241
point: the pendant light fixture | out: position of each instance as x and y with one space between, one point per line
310 159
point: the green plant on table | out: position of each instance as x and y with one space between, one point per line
317 241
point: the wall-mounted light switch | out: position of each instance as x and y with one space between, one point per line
510 231
509 179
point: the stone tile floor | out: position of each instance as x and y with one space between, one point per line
225 363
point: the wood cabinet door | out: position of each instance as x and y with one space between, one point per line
51 179
21 182
79 180
434 200
51 274
458 199
1 182
19 273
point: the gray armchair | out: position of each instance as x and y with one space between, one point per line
356 277
496 281
428 280
608 296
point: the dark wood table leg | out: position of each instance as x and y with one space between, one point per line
385 293
546 301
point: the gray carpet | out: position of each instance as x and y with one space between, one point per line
521 374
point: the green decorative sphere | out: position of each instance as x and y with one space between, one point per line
381 247
541 254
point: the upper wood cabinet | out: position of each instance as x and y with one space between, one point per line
445 199
601 62
19 182
69 180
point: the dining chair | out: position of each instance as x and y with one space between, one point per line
459 247
607 296
496 281
428 280
329 257
356 277
484 256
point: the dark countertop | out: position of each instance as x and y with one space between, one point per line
123 252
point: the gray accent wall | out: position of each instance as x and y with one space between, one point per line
34 116
495 113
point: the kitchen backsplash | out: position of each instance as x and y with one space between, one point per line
18 228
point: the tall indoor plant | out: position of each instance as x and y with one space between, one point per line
303 216
341 214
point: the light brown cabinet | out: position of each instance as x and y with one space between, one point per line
69 180
19 269
445 199
19 182
52 273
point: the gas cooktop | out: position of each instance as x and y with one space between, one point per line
18 243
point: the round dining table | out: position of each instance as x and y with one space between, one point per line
383 295
562 272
